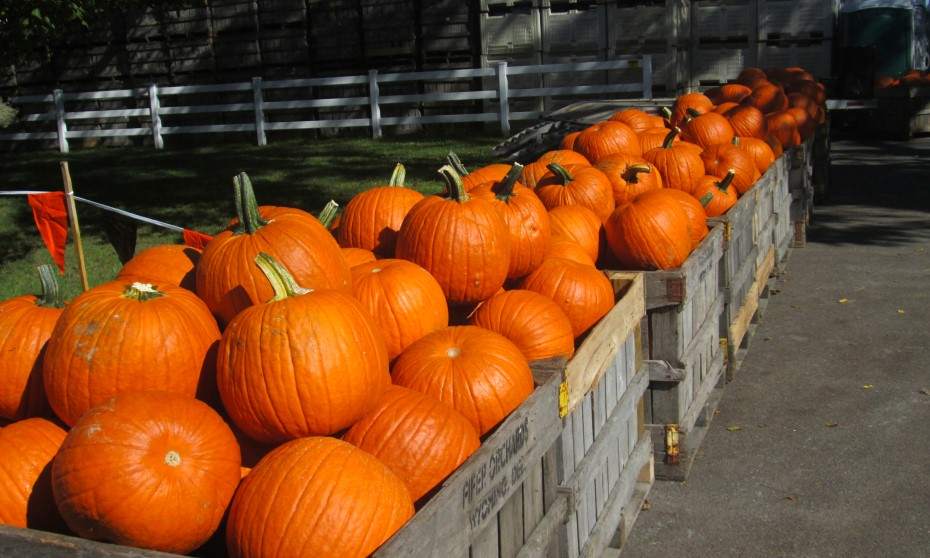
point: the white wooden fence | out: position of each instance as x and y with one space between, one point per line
495 88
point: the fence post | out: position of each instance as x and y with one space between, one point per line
373 94
258 99
154 106
503 89
60 116
647 76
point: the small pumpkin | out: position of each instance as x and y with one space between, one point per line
404 301
606 138
569 250
421 439
170 466
716 195
533 322
747 121
26 324
357 256
320 351
759 150
636 119
696 102
539 169
720 159
316 497
651 232
172 264
697 217
768 98
26 451
583 292
577 185
460 239
629 176
481 374
707 129
680 166
577 224
729 93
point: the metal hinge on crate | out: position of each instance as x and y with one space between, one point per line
671 444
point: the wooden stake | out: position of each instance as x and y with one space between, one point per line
75 226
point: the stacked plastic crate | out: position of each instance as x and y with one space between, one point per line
511 32
572 31
796 33
724 34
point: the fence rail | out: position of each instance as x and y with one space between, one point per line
495 88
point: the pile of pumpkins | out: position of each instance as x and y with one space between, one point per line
301 384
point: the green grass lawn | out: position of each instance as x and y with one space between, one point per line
192 187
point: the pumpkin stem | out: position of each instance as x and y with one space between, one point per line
692 112
250 220
561 172
666 113
725 183
328 213
736 141
631 173
398 176
51 292
504 189
453 161
707 198
670 137
454 186
280 278
142 292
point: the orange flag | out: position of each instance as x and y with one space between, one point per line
196 239
51 217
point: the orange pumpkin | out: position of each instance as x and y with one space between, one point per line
526 219
723 108
480 373
535 324
694 211
706 130
680 166
697 102
539 169
729 93
805 124
750 76
636 119
26 323
404 301
170 466
120 337
166 264
768 98
759 150
606 138
629 176
568 142
577 224
227 279
570 250
654 137
357 256
316 497
583 293
577 185
26 451
421 439
716 195
651 232
747 121
784 128
720 159
319 349
461 240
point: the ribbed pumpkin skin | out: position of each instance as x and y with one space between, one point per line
625 184
538 169
578 224
729 93
302 366
681 167
316 497
696 101
588 188
568 141
171 264
805 123
25 328
723 108
767 98
528 222
229 281
747 121
716 201
26 451
607 138
720 159
372 218
464 245
762 155
535 324
750 75
649 233
570 250
784 128
147 469
488 173
481 374
404 301
583 293
636 119
357 256
417 436
697 216
708 130
106 343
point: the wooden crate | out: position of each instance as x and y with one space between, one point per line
745 322
800 184
684 309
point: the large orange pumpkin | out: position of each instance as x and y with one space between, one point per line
697 102
305 363
120 337
707 129
784 128
577 224
636 119
227 279
680 166
171 264
716 195
535 324
418 437
481 374
570 250
26 451
372 218
581 291
526 219
404 301
654 137
629 176
649 233
606 138
747 121
357 256
577 185
720 159
539 169
26 323
316 497
759 150
147 469
697 217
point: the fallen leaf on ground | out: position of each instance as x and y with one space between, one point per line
867 386
843 300
832 424
925 391
647 505
900 310
792 498
734 428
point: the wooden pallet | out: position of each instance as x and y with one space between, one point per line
742 329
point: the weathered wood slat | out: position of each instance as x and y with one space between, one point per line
676 286
39 544
741 324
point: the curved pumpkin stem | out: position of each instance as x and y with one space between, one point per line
692 112
280 278
670 137
250 220
453 161
398 176
454 187
632 172
142 292
725 183
666 113
503 190
328 213
736 141
50 296
560 172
